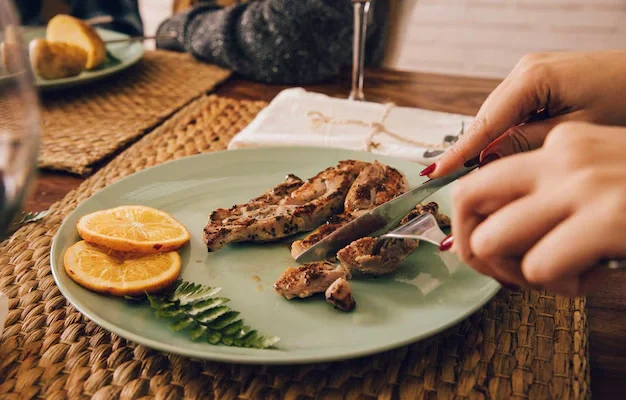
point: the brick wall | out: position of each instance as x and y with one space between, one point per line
487 37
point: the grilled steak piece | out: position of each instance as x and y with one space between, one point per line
376 184
339 295
361 255
433 208
308 279
290 208
270 198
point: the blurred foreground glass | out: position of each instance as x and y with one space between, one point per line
361 15
19 118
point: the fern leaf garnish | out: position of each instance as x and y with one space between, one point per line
225 320
205 305
211 315
187 293
192 308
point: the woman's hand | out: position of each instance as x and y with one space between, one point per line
544 218
561 86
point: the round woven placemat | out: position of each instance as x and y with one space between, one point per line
85 125
524 344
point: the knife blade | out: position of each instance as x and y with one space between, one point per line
381 219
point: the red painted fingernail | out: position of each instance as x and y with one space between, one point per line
490 158
428 170
446 243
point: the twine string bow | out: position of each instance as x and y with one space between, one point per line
318 119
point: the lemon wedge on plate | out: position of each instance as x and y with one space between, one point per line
133 229
120 274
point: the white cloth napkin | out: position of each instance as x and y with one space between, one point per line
4 311
300 118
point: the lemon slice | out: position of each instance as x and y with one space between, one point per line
134 229
108 272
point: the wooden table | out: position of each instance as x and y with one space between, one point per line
607 309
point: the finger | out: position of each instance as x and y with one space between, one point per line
570 249
507 270
462 232
521 138
495 185
576 130
493 270
514 228
475 196
507 106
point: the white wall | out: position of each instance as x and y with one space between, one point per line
487 37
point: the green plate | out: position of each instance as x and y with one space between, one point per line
120 57
430 292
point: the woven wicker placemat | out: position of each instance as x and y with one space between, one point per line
84 125
523 344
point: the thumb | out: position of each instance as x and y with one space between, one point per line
521 138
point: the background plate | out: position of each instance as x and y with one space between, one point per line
125 55
430 292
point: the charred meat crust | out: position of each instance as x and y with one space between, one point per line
308 279
360 255
433 208
339 294
376 184
292 207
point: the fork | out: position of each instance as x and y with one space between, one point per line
425 228
131 39
107 19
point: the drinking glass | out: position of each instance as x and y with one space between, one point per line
19 118
361 14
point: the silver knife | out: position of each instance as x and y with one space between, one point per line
380 220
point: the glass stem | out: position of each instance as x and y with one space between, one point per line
361 11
